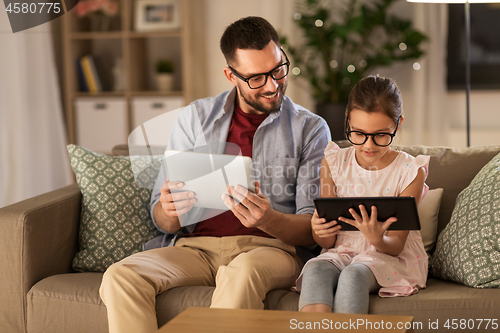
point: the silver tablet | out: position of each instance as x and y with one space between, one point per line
209 175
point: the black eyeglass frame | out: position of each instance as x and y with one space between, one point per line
270 73
373 135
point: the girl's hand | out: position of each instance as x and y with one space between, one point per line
368 224
322 228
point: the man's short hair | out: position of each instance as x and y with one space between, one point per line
250 32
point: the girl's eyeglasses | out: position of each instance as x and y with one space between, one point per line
380 139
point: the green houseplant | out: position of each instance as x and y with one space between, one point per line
164 75
343 41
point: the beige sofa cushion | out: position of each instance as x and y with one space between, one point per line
428 211
70 303
66 302
442 301
452 169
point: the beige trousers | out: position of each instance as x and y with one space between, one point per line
242 268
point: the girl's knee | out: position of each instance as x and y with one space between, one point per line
356 271
320 267
359 274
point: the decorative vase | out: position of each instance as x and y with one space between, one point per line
164 81
118 75
334 114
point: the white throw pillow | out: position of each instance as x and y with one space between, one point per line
428 211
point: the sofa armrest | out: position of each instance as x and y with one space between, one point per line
38 238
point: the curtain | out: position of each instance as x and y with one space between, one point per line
424 92
431 119
33 157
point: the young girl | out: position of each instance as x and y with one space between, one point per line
354 264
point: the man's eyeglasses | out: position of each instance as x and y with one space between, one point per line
380 139
259 80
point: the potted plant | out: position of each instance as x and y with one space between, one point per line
164 75
343 42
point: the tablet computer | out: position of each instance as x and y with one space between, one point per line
403 208
208 175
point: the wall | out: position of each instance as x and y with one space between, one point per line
484 117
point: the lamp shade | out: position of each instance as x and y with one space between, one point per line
455 1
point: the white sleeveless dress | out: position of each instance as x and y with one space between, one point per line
398 276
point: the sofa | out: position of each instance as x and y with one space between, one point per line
40 292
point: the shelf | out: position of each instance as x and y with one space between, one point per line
120 34
138 52
145 93
100 94
155 34
96 35
152 93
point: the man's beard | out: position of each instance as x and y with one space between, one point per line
275 107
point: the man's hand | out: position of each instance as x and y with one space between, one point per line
177 203
254 209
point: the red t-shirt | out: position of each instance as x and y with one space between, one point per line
241 132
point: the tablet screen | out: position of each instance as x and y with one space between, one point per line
403 208
209 175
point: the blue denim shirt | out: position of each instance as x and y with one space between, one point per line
287 151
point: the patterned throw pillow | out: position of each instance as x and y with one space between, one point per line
115 218
467 250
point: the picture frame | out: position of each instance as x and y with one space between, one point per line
158 15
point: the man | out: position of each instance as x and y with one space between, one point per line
250 249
